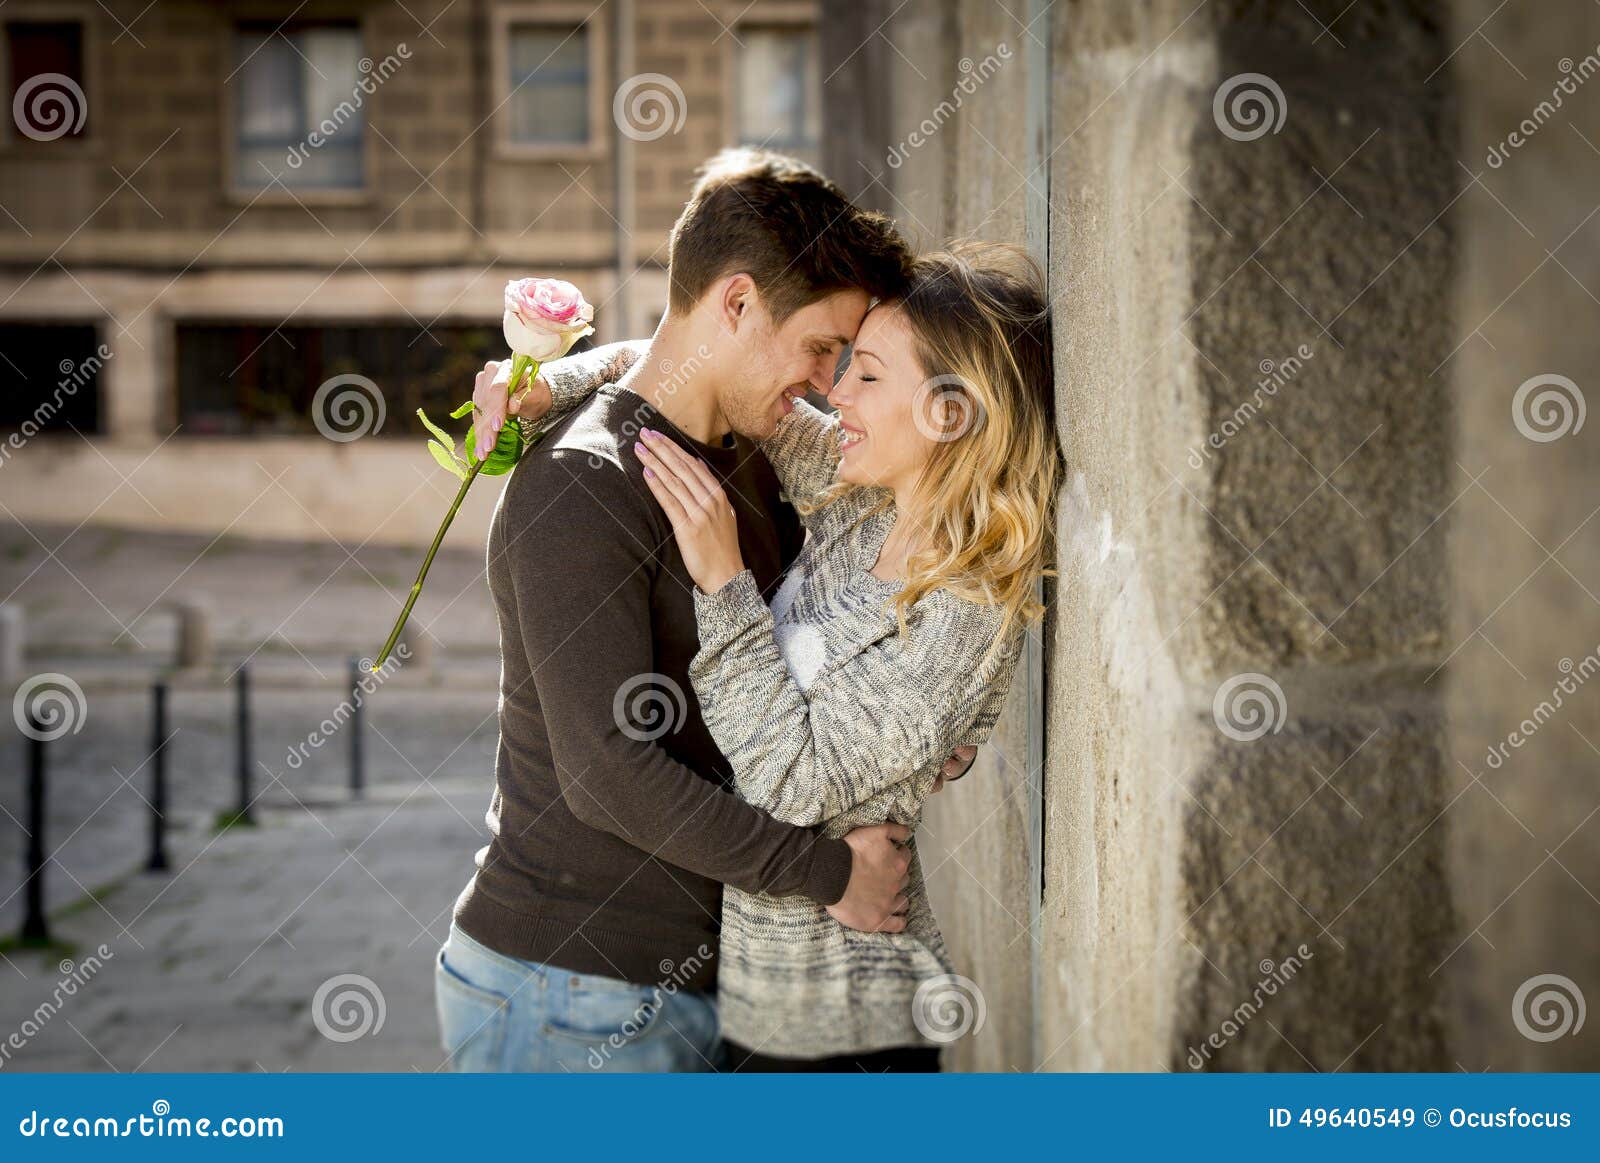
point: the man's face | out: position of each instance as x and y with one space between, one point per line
778 364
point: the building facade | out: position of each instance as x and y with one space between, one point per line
212 210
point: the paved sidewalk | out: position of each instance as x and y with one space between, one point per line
216 966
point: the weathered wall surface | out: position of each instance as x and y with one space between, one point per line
965 178
1258 456
1525 852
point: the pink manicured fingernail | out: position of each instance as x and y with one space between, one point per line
639 448
649 433
649 474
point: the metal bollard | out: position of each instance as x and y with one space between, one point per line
34 928
358 775
158 779
242 814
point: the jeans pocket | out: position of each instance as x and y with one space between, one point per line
472 1020
597 1010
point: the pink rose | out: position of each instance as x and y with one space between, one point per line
545 317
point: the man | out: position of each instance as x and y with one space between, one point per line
587 938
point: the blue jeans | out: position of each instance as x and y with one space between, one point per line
498 1013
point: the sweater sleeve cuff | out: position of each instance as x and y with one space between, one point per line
830 872
570 383
724 615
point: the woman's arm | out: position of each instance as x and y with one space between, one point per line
561 385
804 451
889 714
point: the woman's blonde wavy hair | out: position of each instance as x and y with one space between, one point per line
981 330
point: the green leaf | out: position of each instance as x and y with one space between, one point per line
444 437
464 410
507 450
447 460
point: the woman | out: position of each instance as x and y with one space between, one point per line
891 643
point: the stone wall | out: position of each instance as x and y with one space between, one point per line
1259 482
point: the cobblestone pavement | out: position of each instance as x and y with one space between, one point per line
215 964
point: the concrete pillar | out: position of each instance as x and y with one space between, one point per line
195 643
1247 755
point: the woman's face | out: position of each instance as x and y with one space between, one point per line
882 440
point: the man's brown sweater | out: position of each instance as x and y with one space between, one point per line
612 825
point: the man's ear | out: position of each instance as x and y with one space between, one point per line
736 300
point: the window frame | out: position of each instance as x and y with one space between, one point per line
274 194
799 14
504 17
84 15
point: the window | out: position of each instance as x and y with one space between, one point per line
51 373
297 107
549 84
549 68
778 101
45 61
257 379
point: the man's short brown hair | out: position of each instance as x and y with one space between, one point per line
786 226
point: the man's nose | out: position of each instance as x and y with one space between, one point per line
822 376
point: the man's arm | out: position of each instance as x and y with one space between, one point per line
583 559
